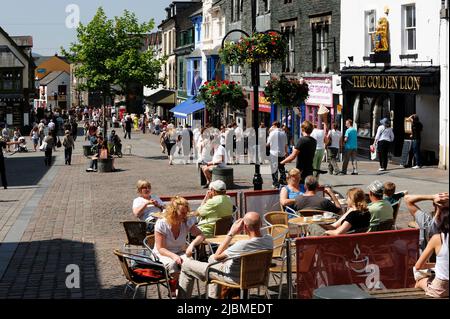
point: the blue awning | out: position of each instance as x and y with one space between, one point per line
187 107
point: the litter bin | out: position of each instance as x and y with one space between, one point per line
105 165
87 150
341 292
224 174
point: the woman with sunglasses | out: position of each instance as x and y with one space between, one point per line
146 204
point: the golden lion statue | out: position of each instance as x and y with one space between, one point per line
380 38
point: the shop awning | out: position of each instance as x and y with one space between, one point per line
189 106
161 96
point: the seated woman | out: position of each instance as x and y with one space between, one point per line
170 236
292 189
437 285
146 204
357 215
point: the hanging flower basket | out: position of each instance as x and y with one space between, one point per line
259 48
216 94
286 92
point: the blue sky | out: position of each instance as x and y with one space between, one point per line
45 20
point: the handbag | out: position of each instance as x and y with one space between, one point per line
373 152
58 143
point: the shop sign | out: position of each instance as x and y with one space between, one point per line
320 91
264 104
387 82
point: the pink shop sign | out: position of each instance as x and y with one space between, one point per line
320 91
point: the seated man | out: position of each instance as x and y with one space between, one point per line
380 209
219 160
230 270
215 205
425 220
311 200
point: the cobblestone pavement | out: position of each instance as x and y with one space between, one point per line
53 218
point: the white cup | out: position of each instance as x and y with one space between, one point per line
305 219
328 214
317 217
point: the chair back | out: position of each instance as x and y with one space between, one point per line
223 225
135 231
279 234
396 208
149 241
125 266
276 218
255 269
384 225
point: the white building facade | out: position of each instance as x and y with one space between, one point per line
410 83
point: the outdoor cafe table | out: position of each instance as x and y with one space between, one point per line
220 239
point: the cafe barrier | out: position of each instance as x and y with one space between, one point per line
373 260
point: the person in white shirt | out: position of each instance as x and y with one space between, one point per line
319 135
219 160
146 204
383 140
239 149
333 141
277 141
51 125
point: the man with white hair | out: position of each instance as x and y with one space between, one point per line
228 271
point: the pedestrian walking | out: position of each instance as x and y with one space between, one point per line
319 135
128 126
5 137
350 148
3 144
304 152
383 141
416 132
34 135
48 145
333 140
277 142
68 144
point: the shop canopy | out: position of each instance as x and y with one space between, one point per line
187 107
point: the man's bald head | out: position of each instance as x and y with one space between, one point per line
253 221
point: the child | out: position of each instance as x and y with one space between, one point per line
389 193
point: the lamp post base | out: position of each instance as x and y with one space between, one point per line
257 182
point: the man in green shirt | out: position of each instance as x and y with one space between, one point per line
215 206
379 208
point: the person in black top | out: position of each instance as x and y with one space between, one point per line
416 131
304 152
356 218
3 145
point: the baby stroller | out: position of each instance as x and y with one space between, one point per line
117 149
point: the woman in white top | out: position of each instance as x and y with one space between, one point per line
438 244
146 204
171 234
319 136
383 140
219 160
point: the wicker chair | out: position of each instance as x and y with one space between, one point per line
384 225
135 231
254 272
223 225
147 271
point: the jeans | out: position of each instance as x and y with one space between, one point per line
275 168
416 152
94 164
48 156
68 155
127 133
349 153
317 161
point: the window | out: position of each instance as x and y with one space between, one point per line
11 80
288 29
235 69
62 89
409 22
181 75
320 32
207 26
287 1
266 5
265 68
236 10
371 25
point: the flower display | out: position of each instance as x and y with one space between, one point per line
286 92
259 48
215 94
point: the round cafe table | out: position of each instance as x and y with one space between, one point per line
302 222
219 239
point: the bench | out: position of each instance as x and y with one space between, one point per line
224 174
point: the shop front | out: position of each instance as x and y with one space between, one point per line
320 93
373 93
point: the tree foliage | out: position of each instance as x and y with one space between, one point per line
109 54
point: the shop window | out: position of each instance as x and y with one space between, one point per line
409 27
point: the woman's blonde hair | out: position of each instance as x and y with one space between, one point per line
357 198
293 172
172 209
142 184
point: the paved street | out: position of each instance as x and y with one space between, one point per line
53 218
